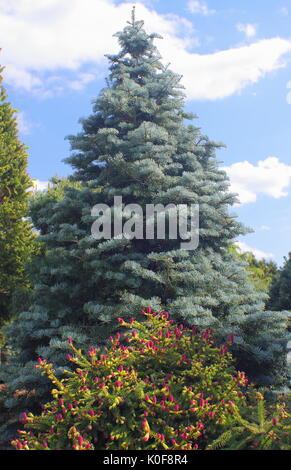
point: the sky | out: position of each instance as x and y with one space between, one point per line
235 59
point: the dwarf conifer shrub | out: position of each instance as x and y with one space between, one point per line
159 385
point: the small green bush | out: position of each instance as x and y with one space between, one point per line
157 386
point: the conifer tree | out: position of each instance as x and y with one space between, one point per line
16 237
280 292
136 144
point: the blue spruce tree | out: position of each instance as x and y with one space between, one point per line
136 144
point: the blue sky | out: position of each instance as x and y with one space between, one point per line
235 58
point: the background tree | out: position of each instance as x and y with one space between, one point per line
280 291
16 236
41 214
137 145
261 272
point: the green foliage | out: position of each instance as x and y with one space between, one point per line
16 237
280 292
43 204
261 272
260 429
157 386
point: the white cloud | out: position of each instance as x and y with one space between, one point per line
259 254
265 228
23 124
249 29
18 76
39 185
223 73
269 177
50 37
197 7
39 37
81 81
284 11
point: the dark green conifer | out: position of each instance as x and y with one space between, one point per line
16 236
280 292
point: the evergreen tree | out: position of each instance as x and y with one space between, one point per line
137 145
280 292
16 237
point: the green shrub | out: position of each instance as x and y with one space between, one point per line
157 386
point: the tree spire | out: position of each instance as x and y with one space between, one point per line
133 15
